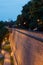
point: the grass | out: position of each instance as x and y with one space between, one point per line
7 48
12 60
1 61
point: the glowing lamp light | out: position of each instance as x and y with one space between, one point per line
38 20
24 23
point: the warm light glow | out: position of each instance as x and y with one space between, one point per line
11 53
5 39
3 52
3 42
40 23
24 22
38 20
7 60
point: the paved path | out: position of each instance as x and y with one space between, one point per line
27 50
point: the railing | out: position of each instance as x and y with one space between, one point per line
32 35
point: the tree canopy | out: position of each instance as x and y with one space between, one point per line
31 12
3 32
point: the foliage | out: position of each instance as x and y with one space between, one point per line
7 48
31 12
3 32
2 60
12 60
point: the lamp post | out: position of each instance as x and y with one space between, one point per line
39 21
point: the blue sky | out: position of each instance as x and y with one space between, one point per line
9 9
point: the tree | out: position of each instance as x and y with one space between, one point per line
3 32
31 12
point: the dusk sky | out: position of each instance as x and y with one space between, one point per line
9 9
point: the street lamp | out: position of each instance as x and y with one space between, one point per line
24 23
38 20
